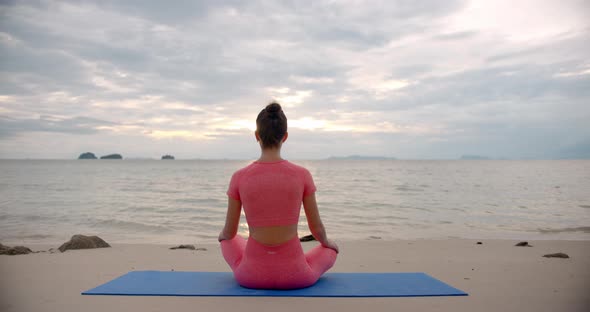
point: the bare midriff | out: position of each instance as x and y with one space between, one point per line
273 235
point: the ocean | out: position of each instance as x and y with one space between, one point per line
184 201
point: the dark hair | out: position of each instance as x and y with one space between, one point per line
271 125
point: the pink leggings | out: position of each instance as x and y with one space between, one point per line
285 266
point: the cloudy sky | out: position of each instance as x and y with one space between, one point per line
408 79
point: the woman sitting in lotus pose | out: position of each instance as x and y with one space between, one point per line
271 191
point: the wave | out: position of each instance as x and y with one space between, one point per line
199 200
31 217
131 225
584 229
28 236
408 189
138 209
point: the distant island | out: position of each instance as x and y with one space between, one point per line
474 157
87 155
112 156
359 157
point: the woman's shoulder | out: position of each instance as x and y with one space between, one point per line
243 170
296 167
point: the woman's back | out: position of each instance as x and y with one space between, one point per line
271 194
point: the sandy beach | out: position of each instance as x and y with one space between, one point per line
497 275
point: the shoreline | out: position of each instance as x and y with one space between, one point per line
40 246
496 274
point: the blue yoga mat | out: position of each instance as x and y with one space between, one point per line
171 283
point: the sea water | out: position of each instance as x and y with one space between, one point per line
184 201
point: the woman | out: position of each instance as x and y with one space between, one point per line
271 190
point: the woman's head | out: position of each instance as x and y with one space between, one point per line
271 125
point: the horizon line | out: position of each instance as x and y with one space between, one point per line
338 158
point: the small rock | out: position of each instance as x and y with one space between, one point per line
523 244
479 243
557 255
191 247
375 237
83 242
16 250
307 238
466 278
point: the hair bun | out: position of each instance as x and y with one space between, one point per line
273 108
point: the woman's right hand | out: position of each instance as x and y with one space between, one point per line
221 237
331 244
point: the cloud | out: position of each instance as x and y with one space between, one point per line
459 35
416 79
76 125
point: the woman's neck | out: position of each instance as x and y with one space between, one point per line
270 155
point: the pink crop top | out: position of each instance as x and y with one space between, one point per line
271 193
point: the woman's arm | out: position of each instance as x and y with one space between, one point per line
315 222
232 219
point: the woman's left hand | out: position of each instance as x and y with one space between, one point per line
332 245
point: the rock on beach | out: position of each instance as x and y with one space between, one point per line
191 247
307 238
83 242
16 250
557 255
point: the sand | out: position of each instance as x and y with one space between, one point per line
497 275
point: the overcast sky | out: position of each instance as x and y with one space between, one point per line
407 79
